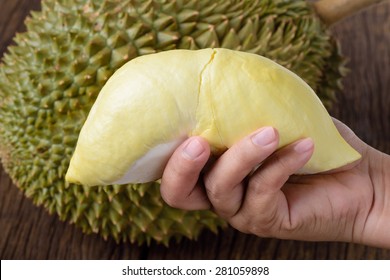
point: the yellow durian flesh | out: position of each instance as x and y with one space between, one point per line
154 102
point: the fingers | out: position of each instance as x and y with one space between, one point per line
179 184
224 181
280 166
265 209
252 203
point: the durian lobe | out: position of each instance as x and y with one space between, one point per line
153 103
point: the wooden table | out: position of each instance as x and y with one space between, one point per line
29 232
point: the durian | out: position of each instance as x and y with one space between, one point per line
154 102
52 75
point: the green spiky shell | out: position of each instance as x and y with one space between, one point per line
50 79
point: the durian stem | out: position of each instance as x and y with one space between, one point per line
332 11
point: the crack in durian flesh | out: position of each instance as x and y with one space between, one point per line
207 126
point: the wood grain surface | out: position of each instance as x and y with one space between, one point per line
29 232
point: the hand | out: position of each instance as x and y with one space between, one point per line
350 204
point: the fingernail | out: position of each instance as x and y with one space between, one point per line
264 137
193 149
304 146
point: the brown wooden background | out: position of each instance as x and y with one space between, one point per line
29 232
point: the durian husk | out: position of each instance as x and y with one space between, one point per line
51 77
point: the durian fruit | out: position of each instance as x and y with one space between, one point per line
154 102
52 75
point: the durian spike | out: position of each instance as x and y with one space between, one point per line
332 11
